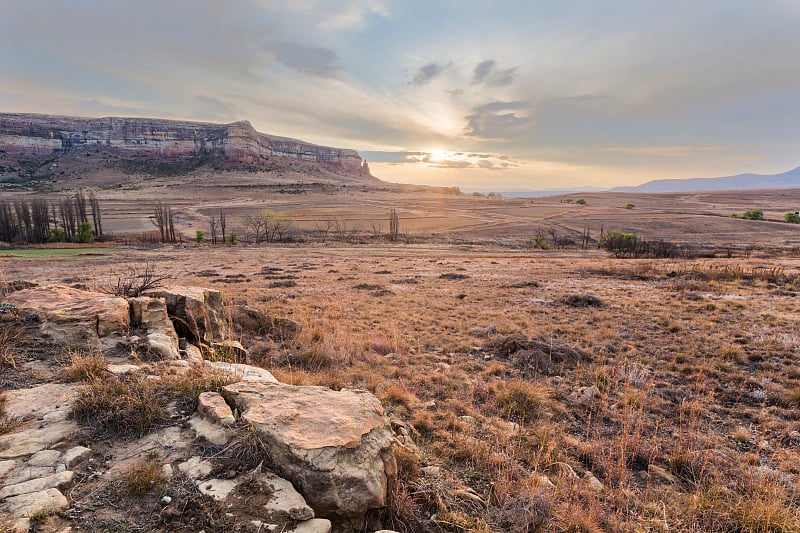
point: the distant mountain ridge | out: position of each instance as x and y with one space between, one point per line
785 180
43 146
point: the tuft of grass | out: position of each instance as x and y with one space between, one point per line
85 367
582 300
113 406
143 477
8 346
399 396
524 400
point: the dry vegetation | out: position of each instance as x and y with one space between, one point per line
557 393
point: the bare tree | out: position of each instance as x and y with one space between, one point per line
324 227
212 224
257 224
80 206
222 224
97 219
160 214
394 225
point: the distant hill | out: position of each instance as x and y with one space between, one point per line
785 180
54 148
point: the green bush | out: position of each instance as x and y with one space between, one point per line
753 214
628 206
580 201
57 235
199 236
792 218
85 232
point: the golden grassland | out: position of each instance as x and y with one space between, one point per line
566 389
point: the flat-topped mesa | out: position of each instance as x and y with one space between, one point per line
43 135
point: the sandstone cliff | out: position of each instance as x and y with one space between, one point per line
32 145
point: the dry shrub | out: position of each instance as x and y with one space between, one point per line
399 396
187 387
524 400
423 422
575 518
534 355
114 406
7 347
85 367
582 300
143 477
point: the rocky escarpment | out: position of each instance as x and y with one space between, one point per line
33 144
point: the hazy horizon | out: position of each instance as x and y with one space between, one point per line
523 96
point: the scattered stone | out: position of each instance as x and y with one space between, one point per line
662 474
27 473
213 407
213 433
315 525
219 489
61 468
248 373
193 355
75 455
334 446
32 503
196 467
166 471
432 471
122 369
37 485
285 499
44 458
163 346
595 485
589 392
488 331
470 496
166 500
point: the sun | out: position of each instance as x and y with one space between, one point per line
437 154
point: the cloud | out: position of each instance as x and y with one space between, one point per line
442 159
209 107
498 121
426 73
306 59
487 72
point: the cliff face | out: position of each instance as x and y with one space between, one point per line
30 137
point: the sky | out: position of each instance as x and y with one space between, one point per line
485 95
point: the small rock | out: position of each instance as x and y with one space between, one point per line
248 373
196 467
75 455
122 369
193 355
595 485
61 468
662 474
285 499
470 496
7 466
213 433
432 471
44 458
765 446
22 525
37 485
166 500
213 406
589 392
217 488
32 503
163 346
315 525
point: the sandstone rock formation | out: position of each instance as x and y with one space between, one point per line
334 446
197 313
39 138
73 316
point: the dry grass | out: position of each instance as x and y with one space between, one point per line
143 477
85 366
7 347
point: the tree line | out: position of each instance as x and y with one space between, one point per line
39 221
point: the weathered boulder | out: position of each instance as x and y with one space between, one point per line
151 315
245 372
212 406
230 349
44 410
197 313
260 322
334 446
73 316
